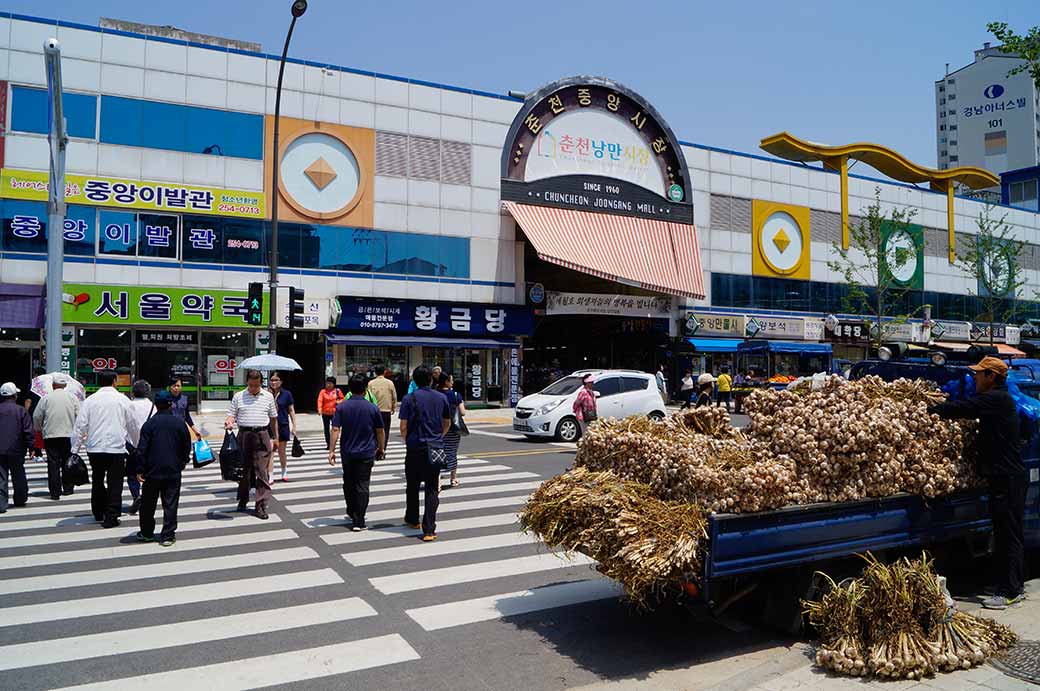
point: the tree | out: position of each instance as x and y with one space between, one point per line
992 262
869 266
1026 47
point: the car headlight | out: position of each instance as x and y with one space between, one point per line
548 408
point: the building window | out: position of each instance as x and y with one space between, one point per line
952 97
952 112
1023 194
995 143
29 112
942 128
942 101
943 152
25 228
942 140
157 236
953 142
118 233
951 81
942 89
954 158
953 127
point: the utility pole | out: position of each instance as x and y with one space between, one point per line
58 140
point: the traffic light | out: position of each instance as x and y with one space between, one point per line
296 309
255 305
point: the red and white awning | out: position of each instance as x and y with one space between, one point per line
656 255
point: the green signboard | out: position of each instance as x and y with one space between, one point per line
902 255
153 306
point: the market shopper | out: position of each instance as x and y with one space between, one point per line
358 427
705 388
386 399
16 438
32 400
180 405
143 408
585 404
452 438
255 413
1000 463
328 398
163 451
425 419
686 389
105 423
54 418
725 385
662 382
283 398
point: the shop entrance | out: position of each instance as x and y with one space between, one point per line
158 365
308 349
16 365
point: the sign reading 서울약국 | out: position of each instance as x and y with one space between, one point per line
134 194
433 318
614 305
152 306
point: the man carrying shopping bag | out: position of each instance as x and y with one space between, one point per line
163 451
255 412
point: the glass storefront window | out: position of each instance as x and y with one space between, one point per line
102 349
157 236
25 226
221 352
118 233
202 239
80 230
245 242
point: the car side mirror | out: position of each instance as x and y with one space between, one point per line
597 394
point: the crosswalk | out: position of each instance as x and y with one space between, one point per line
73 595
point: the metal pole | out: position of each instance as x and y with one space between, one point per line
273 283
58 140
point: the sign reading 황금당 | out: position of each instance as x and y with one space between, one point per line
613 305
152 306
95 190
434 318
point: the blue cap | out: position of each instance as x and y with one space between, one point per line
163 396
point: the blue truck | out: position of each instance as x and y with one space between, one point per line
782 549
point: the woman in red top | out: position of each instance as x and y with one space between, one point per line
328 399
585 404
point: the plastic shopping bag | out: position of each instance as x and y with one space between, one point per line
202 453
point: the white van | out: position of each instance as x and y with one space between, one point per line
619 394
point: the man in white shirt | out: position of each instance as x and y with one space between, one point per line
106 421
255 413
54 418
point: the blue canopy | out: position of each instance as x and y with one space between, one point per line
785 347
715 345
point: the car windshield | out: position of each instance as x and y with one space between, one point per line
563 387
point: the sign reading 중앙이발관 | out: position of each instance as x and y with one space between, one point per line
393 317
152 306
95 190
613 305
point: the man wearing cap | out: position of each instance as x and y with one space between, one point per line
54 418
1000 463
16 438
163 450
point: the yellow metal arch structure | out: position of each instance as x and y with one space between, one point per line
891 163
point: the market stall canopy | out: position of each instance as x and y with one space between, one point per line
661 256
431 341
1009 351
785 347
714 345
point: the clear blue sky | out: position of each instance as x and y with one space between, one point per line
721 73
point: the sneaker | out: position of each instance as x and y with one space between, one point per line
285 476
134 506
356 528
429 538
1000 601
141 537
168 542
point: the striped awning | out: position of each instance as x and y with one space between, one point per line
656 255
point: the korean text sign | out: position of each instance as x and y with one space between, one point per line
434 318
134 194
153 306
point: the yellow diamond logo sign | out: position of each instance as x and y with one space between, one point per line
320 173
781 240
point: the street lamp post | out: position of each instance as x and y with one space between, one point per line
297 9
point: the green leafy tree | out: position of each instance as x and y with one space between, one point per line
866 271
1026 46
993 264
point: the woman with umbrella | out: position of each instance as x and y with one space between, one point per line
283 398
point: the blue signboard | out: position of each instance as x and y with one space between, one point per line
433 318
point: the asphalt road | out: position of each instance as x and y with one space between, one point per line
300 602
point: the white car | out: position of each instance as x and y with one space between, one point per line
619 394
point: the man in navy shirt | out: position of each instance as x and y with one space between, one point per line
425 418
362 441
163 450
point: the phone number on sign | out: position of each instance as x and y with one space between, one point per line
238 209
244 244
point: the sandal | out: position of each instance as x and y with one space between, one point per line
455 483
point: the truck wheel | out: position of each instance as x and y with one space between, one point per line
568 430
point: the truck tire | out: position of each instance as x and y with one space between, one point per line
568 430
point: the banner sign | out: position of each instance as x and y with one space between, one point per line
514 377
95 190
813 330
167 337
951 331
704 324
614 305
774 327
433 318
152 306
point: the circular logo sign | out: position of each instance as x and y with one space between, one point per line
781 242
320 175
993 91
675 192
537 293
996 273
901 256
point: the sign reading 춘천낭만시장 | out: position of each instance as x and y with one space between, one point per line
392 317
653 306
96 190
153 306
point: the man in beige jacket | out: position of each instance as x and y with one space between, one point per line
54 418
386 398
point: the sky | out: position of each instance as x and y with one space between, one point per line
724 74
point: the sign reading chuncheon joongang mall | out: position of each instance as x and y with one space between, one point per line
590 144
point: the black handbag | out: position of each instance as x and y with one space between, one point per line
297 447
436 455
74 471
231 466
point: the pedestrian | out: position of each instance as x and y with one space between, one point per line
435 376
255 413
283 398
32 400
180 405
424 420
585 404
686 389
143 408
16 438
328 399
54 419
164 449
725 382
662 382
105 421
386 399
705 388
452 438
1000 463
358 427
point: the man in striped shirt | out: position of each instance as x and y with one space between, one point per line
255 413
